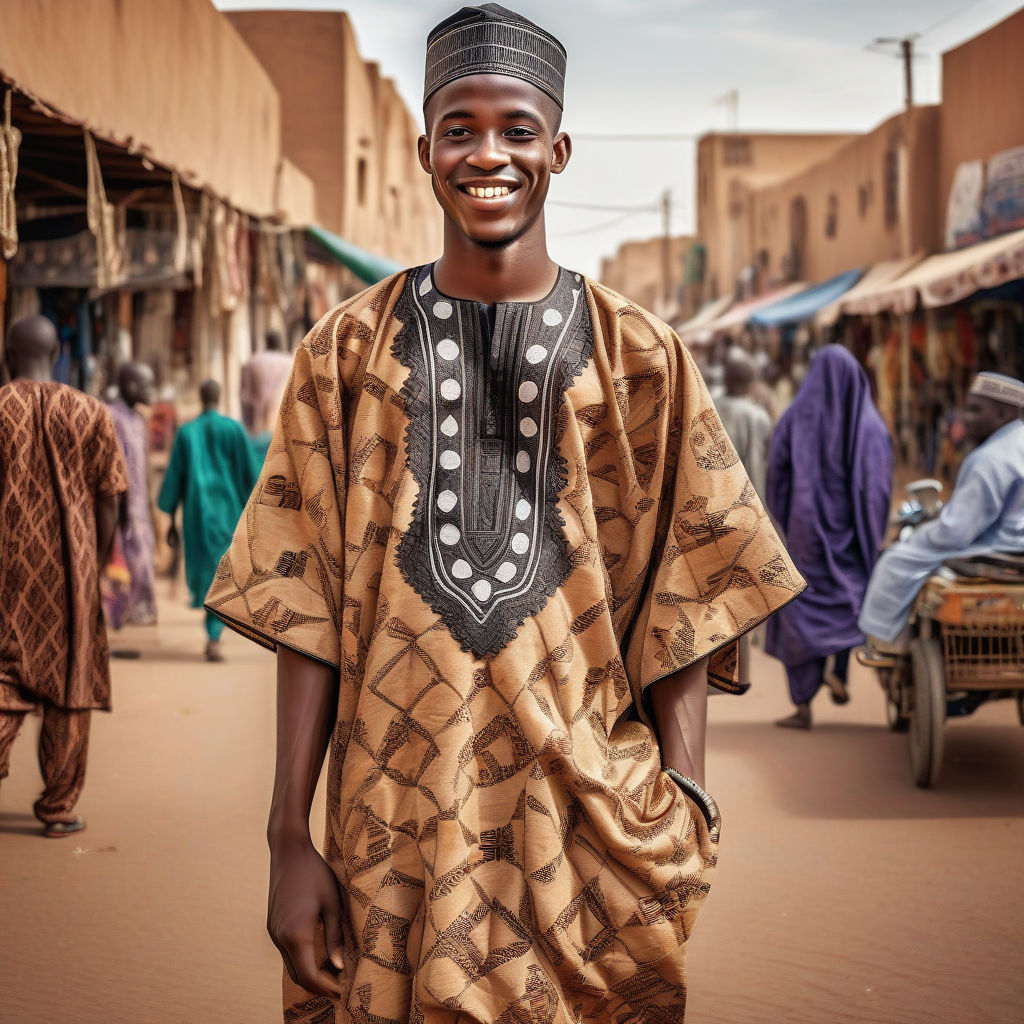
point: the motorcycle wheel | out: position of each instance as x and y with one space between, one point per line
928 720
1020 707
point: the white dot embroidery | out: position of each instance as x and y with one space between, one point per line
577 277
528 427
450 460
535 353
523 462
447 500
447 349
522 509
527 391
450 427
461 569
552 317
425 285
505 572
520 543
442 310
449 534
450 389
482 590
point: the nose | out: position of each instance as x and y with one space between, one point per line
489 153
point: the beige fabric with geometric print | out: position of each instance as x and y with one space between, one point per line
507 844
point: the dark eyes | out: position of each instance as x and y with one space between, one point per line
518 132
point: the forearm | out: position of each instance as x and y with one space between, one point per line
107 509
307 701
680 706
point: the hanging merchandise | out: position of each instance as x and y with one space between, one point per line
10 140
100 215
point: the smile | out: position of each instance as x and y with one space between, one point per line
489 191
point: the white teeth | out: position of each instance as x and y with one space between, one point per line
490 192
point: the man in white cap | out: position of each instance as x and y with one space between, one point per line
984 514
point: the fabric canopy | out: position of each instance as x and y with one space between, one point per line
858 298
694 330
742 311
795 309
951 276
367 266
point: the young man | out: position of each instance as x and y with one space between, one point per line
210 474
501 545
135 383
747 424
61 475
985 512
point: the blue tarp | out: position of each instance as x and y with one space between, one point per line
805 304
367 266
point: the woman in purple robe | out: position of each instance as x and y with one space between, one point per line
829 483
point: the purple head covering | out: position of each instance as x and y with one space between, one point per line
829 482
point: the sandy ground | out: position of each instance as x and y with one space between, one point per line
844 894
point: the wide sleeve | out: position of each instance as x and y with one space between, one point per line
109 476
718 567
280 582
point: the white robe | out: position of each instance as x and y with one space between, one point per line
984 514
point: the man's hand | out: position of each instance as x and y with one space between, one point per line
304 894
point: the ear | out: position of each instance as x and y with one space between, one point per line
561 150
423 152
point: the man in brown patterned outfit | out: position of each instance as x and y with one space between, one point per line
61 474
501 544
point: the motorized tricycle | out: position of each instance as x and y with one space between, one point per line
964 645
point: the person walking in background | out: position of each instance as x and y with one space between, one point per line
264 377
829 482
136 536
210 474
746 422
61 475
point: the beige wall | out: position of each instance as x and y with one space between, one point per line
169 80
982 100
729 167
636 271
849 195
347 128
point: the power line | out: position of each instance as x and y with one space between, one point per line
955 14
597 227
636 137
610 207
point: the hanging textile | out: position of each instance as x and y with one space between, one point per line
10 140
100 215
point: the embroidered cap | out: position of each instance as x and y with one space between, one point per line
490 40
999 388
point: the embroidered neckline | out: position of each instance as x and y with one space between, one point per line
486 548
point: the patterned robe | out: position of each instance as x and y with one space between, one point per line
501 535
58 453
138 541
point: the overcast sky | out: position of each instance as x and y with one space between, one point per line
657 66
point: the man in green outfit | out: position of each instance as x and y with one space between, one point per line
211 472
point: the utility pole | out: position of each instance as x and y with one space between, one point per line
731 102
666 248
906 54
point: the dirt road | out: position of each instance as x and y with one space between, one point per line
843 895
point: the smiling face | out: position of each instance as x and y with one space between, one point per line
491 146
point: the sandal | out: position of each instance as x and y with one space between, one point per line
58 829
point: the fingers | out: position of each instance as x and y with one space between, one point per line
333 940
300 963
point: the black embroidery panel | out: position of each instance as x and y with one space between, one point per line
486 547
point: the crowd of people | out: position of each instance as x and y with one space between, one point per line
825 472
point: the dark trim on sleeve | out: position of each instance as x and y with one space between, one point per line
721 684
265 641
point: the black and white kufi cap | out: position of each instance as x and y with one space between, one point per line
490 40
